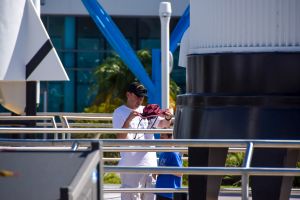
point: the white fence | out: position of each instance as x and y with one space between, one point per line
113 145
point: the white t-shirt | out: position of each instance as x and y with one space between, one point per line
135 158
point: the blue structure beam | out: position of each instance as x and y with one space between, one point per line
180 29
118 42
127 54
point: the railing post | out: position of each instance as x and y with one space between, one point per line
65 124
245 176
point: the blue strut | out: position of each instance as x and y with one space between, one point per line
180 29
118 42
127 54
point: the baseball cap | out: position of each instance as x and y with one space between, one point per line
138 89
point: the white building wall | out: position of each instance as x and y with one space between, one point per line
244 25
113 7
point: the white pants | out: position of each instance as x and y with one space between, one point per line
137 181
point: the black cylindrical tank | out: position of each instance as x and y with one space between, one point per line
241 96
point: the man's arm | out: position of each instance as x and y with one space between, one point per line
166 122
126 124
118 122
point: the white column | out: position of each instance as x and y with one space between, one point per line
37 5
165 15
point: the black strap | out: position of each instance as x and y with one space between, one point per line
138 127
38 57
149 128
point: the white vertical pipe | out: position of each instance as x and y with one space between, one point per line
165 12
45 110
245 176
37 5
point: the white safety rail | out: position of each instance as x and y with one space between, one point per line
88 121
44 122
245 171
27 118
67 120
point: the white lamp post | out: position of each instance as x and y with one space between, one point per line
165 15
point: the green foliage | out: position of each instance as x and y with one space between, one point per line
235 159
112 78
104 107
296 183
112 178
185 178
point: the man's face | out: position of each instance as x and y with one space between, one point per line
134 101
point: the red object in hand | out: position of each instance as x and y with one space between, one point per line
151 110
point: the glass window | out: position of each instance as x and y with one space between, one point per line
86 28
150 44
149 28
55 97
91 45
128 27
89 52
84 95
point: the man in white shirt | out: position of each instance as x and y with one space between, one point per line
129 116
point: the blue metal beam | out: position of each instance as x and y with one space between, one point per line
121 46
118 42
156 76
180 29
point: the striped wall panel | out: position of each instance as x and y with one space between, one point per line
244 25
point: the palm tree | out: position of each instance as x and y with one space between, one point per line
112 79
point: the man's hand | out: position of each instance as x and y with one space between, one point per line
126 124
167 114
132 115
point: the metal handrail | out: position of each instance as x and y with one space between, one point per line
5 130
36 118
148 190
245 171
11 118
76 114
235 143
26 117
65 121
63 113
67 116
213 171
97 118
